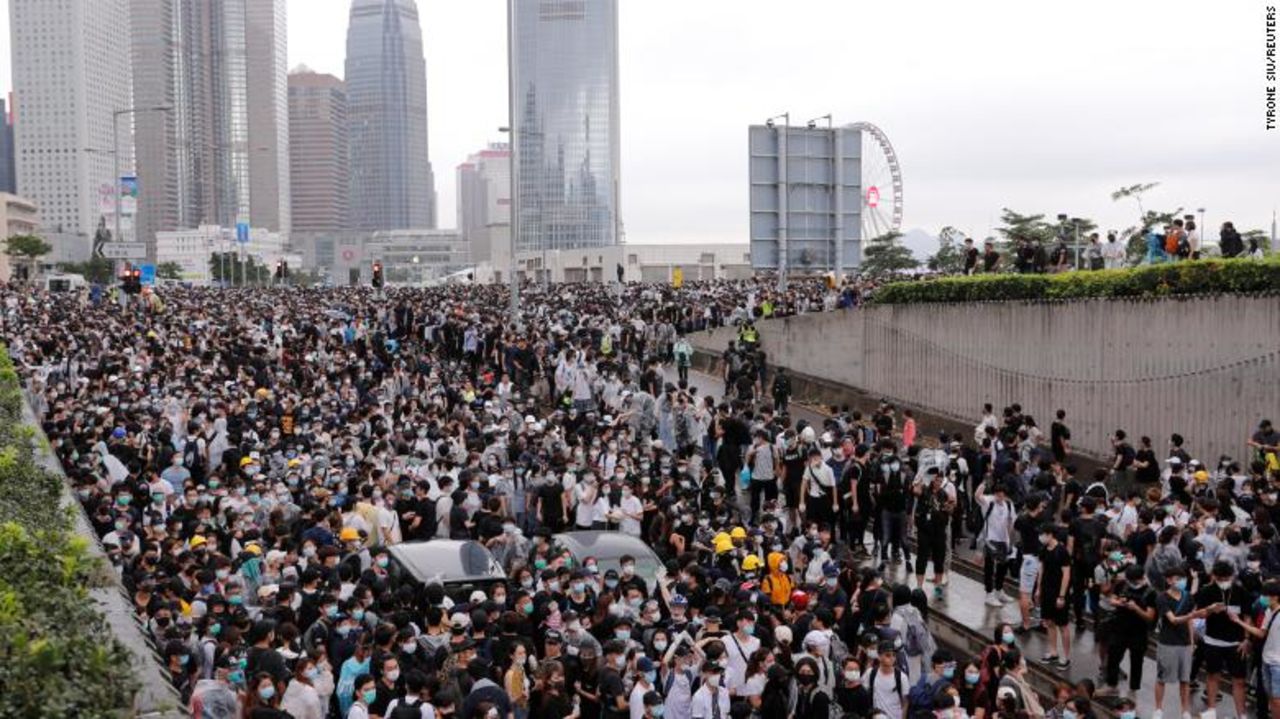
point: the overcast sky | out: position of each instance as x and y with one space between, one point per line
1039 107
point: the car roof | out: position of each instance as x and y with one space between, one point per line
447 560
604 545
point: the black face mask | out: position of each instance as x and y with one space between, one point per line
806 679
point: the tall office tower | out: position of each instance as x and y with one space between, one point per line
220 153
7 183
564 105
484 201
317 151
392 186
70 75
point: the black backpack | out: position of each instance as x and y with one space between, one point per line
407 710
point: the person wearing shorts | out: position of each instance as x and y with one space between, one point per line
1051 588
1027 525
1174 616
1222 600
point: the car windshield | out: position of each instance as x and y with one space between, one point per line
438 560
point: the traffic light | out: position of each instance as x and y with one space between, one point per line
279 269
377 275
131 282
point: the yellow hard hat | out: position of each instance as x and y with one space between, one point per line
349 534
246 461
722 543
751 563
738 533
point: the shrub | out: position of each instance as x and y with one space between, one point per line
1165 280
58 655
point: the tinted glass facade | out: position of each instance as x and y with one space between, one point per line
392 186
564 86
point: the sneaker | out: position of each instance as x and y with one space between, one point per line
1049 659
1157 714
1004 598
1105 690
1064 663
937 592
992 601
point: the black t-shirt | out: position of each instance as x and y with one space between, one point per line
893 495
1151 472
1054 563
611 687
1059 434
551 499
989 260
1087 533
1219 626
1028 529
1141 542
1126 620
1167 632
970 258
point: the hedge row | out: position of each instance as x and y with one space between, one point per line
1164 280
58 655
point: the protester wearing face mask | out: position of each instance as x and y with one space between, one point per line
711 701
850 694
366 693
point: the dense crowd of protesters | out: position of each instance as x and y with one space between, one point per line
248 456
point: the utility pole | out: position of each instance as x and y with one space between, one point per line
515 162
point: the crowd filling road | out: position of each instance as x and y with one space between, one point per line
258 465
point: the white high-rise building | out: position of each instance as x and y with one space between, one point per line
484 201
71 72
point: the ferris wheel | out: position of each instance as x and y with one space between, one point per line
881 183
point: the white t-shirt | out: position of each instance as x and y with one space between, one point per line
884 693
1271 645
636 701
738 652
631 505
701 704
999 521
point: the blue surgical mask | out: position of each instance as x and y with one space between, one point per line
1181 584
650 677
267 692
948 672
1068 714
370 696
659 710
1129 714
623 634
1009 637
971 678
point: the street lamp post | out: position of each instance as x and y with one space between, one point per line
515 160
782 197
833 250
1203 230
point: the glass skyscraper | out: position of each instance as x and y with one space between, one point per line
564 94
392 186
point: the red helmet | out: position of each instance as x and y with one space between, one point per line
799 599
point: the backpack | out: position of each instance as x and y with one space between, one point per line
920 698
919 642
1091 541
897 680
407 710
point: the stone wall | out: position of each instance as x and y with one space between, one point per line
1205 367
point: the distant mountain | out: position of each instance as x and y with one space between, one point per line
921 243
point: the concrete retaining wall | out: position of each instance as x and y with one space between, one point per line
1205 367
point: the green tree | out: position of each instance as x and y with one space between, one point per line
1135 192
949 259
240 272
169 271
1017 227
1257 238
28 249
96 269
884 255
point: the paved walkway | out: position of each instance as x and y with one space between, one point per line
964 600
